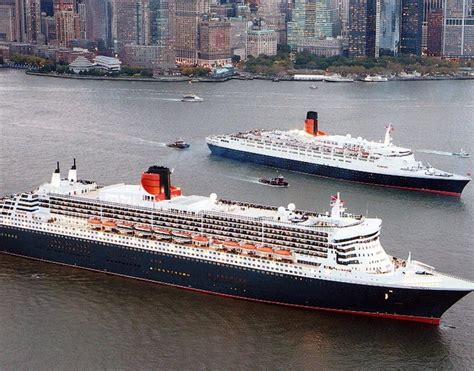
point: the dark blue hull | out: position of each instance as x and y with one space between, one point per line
227 280
443 186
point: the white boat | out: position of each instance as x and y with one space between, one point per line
338 78
313 87
191 98
375 78
462 153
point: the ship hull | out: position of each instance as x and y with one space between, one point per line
441 186
421 305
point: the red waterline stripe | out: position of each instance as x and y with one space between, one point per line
400 317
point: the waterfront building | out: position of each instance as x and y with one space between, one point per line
214 42
81 64
4 53
364 23
261 41
389 32
109 64
7 22
434 29
144 56
329 47
187 17
411 27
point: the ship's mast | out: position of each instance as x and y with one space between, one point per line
388 137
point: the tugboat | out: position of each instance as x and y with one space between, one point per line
279 181
178 144
462 153
191 98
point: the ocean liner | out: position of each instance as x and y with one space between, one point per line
329 261
336 156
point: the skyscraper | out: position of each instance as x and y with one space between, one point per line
434 30
428 7
7 22
188 14
364 23
214 42
162 30
98 20
128 25
390 27
411 27
273 12
458 36
310 22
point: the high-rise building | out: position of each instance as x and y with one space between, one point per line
128 23
428 7
389 27
238 36
187 17
261 41
33 22
274 13
162 31
7 22
82 12
48 28
98 20
67 27
458 35
364 25
311 21
411 27
434 29
214 42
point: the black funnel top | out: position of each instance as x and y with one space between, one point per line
312 115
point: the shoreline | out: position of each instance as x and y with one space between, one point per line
235 77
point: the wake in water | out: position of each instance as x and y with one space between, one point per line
442 153
244 179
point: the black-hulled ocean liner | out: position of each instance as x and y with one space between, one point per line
328 261
343 157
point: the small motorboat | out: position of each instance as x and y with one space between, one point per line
279 181
462 153
313 87
179 144
191 98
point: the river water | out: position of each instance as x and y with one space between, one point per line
54 317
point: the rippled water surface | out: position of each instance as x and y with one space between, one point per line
53 317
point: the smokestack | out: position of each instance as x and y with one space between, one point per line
56 177
311 123
72 175
157 181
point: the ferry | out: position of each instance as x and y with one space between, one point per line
375 78
329 261
342 157
338 78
